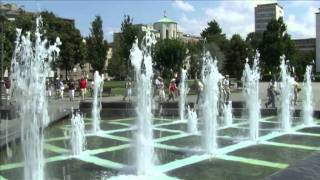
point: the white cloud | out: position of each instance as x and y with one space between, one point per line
235 17
302 25
238 17
183 5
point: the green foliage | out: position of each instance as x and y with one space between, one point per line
97 46
236 56
195 59
116 67
169 55
119 65
253 42
72 51
301 60
216 42
275 42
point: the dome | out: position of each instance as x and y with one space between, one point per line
165 19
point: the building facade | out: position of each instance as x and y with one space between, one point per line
318 41
305 45
166 27
264 13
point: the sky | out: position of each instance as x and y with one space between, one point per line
192 16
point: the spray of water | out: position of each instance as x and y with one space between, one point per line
141 60
286 95
227 113
307 102
96 103
183 94
192 121
78 139
211 78
251 77
30 67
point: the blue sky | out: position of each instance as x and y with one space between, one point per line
233 16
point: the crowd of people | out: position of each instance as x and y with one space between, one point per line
56 89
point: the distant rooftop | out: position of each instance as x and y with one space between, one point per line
165 19
270 4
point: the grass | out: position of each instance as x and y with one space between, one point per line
118 87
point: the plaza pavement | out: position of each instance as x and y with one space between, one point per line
60 108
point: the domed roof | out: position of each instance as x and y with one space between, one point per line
165 19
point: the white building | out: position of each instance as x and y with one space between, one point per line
263 13
318 42
166 27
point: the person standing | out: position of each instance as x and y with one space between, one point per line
61 88
271 95
128 92
162 94
172 89
7 85
83 86
199 91
226 89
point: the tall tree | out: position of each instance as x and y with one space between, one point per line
216 42
195 59
236 56
128 34
119 65
169 55
71 52
72 48
253 41
97 46
275 42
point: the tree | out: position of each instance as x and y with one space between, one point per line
275 42
73 50
236 56
119 65
253 41
97 46
128 35
216 42
116 67
169 55
195 59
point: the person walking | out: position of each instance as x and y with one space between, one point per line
271 95
199 91
128 92
226 89
296 90
172 89
83 86
161 93
71 87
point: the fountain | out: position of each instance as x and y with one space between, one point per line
192 121
227 113
96 103
77 135
307 104
251 77
211 78
286 96
141 60
30 67
183 94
